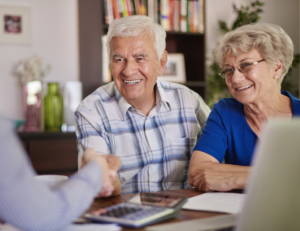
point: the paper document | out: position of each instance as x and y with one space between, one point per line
216 202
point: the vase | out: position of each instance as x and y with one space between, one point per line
53 108
32 92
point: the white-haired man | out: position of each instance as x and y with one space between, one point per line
151 125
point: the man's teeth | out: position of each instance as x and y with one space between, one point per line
241 88
132 82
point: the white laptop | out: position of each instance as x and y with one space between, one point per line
273 190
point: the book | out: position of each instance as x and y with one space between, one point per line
143 7
192 16
124 7
171 14
183 15
201 16
155 5
128 5
176 16
109 16
115 9
165 11
151 9
132 7
188 13
120 8
137 7
196 16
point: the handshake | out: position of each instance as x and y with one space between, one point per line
110 165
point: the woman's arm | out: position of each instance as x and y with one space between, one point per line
207 174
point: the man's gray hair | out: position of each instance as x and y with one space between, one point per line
136 26
271 41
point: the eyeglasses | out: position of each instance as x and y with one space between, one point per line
243 68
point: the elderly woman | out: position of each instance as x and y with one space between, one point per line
254 59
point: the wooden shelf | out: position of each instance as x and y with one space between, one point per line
51 152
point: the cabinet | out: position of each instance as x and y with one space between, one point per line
91 29
51 152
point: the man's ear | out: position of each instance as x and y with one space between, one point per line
162 63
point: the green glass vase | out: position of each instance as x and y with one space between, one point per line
53 108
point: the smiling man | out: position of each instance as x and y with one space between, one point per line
151 125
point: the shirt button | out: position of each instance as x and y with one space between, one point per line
154 190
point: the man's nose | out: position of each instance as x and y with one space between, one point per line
129 68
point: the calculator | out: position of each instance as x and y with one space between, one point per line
142 209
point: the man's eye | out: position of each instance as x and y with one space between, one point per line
118 60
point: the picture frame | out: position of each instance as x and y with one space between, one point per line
15 24
175 69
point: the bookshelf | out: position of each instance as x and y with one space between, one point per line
92 27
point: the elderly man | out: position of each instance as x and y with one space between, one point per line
151 125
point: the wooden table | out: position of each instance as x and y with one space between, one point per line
183 216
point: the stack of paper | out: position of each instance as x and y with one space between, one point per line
216 202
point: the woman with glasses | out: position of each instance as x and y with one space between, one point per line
254 59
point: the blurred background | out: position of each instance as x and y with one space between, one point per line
54 38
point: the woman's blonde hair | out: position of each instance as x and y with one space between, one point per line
270 40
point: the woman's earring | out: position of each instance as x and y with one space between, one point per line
276 77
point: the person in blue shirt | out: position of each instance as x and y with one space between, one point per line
254 59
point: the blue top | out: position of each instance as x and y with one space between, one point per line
228 135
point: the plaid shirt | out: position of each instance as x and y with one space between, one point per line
154 150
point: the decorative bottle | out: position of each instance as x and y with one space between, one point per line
53 108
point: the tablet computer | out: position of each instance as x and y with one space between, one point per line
142 209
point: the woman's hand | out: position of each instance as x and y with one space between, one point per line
210 180
207 174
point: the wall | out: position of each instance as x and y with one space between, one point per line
54 39
284 13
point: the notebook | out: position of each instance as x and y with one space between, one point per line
272 200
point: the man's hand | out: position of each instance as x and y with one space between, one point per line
114 162
110 165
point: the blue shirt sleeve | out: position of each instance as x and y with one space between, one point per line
213 140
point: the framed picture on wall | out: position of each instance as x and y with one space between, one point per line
175 69
15 24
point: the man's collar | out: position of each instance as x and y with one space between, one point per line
160 97
122 102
